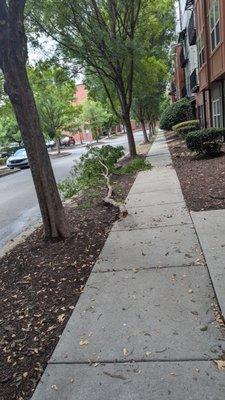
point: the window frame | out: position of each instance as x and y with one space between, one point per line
201 50
217 111
214 25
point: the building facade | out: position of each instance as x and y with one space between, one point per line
200 53
185 53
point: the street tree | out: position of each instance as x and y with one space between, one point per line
98 35
94 117
54 92
13 60
149 86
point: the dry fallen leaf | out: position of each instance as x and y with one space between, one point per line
61 317
84 342
220 364
54 387
125 352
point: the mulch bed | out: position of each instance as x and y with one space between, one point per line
40 284
202 179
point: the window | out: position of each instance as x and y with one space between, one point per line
214 21
217 112
201 50
216 109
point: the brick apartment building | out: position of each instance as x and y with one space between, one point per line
199 61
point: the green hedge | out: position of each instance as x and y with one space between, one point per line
193 122
177 112
206 141
183 132
2 161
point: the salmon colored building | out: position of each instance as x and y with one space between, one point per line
81 94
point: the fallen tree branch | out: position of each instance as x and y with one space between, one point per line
108 199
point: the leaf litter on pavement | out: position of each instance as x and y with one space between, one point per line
41 281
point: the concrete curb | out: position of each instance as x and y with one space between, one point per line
25 234
9 172
19 239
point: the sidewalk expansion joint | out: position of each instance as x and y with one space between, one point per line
160 154
138 360
152 205
150 227
127 269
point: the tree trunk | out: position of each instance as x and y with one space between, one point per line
126 119
18 88
57 142
13 57
150 130
130 136
145 135
81 140
154 125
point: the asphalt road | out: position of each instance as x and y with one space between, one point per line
18 202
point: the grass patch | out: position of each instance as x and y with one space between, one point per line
138 164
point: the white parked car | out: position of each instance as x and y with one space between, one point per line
18 160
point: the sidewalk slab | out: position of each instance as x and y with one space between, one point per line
145 327
210 227
157 175
136 381
160 161
148 315
153 183
150 248
153 198
154 216
151 186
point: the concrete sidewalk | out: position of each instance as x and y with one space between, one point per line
144 328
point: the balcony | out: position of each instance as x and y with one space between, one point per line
192 30
182 35
194 81
183 59
189 4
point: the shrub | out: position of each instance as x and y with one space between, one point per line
183 132
2 161
206 141
177 112
191 123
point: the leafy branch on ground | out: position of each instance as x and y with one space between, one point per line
95 169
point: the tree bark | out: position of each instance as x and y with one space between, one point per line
150 130
145 135
13 57
130 135
57 142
